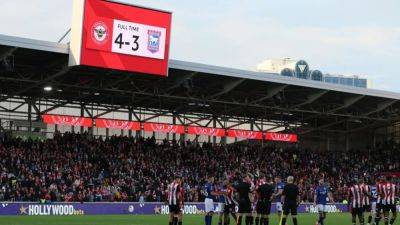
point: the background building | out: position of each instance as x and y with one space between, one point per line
300 69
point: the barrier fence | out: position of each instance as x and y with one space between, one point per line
55 209
133 208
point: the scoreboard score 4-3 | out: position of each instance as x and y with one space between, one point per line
120 36
138 39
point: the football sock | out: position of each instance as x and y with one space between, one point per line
208 220
257 220
247 220
377 219
251 220
294 220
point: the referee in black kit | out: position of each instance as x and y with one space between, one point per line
244 189
290 200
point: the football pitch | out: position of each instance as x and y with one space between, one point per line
306 219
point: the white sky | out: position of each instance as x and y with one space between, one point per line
360 37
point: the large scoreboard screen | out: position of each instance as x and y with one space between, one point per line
120 36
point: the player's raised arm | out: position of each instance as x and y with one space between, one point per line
215 192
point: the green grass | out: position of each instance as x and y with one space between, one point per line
304 219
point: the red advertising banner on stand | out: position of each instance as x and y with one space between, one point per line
245 134
67 120
117 124
164 128
392 174
208 131
120 36
271 136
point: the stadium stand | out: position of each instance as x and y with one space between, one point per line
81 168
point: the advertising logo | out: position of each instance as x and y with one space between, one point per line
50 210
100 33
131 208
153 44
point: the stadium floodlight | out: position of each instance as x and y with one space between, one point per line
48 88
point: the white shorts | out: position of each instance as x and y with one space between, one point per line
209 205
278 207
322 208
221 207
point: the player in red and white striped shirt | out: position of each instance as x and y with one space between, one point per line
389 191
370 195
229 208
175 201
379 202
356 198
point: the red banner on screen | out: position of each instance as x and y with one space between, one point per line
164 128
217 132
271 136
245 134
125 37
117 124
67 120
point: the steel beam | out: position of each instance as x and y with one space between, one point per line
228 87
270 93
312 98
348 102
381 106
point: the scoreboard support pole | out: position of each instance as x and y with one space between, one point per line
214 126
174 123
82 115
30 115
130 119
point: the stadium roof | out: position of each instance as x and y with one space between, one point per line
302 106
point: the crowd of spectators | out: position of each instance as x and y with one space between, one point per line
80 168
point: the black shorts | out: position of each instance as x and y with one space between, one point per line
357 211
229 208
244 206
290 208
367 208
263 207
388 208
175 209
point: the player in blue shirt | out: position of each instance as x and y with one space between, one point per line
279 186
321 197
370 200
209 192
